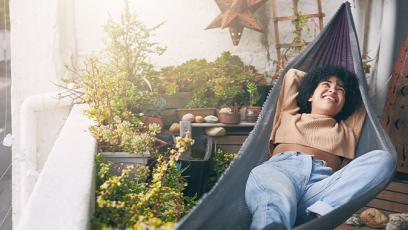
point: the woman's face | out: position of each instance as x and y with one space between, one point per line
328 97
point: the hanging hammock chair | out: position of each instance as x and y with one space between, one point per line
224 206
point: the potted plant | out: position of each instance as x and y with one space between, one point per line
142 197
252 111
123 143
227 115
116 83
212 83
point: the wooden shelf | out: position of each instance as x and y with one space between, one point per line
209 125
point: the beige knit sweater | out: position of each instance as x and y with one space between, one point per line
314 130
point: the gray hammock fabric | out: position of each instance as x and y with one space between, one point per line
224 206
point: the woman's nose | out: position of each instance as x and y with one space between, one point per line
332 89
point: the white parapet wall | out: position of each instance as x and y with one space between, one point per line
63 195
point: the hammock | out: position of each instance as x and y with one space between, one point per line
224 206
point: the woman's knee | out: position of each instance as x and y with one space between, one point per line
387 160
383 161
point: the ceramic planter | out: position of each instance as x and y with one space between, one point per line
252 113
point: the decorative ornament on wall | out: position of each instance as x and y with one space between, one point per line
237 14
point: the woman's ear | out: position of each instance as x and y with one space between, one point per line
310 99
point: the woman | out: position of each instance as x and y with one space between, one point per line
317 125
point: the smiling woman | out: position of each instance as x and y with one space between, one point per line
317 125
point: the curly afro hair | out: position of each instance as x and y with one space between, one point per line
313 78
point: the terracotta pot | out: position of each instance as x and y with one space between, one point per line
229 118
147 120
252 113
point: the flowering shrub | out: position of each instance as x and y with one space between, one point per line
142 198
225 110
121 135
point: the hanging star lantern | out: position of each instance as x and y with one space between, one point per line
237 14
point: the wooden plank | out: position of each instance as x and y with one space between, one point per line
349 227
319 9
230 140
292 17
289 45
388 205
394 197
398 187
277 36
394 117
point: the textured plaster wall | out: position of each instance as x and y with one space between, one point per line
183 27
47 34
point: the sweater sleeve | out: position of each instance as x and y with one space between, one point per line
355 121
287 97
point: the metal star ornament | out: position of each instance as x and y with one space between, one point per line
237 14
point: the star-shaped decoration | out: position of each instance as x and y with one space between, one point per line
237 14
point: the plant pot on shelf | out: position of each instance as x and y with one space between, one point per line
252 113
229 118
120 160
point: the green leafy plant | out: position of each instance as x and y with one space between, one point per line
142 198
253 93
214 84
128 45
117 81
221 161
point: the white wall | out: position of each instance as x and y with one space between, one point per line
46 34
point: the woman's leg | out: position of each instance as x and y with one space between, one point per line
360 175
273 188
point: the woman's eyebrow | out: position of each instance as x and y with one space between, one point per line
339 83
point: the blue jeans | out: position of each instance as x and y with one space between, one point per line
293 187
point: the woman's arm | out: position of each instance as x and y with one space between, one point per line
289 91
287 97
356 120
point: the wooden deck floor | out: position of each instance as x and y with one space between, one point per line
394 199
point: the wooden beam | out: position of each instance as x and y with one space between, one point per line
290 45
292 17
